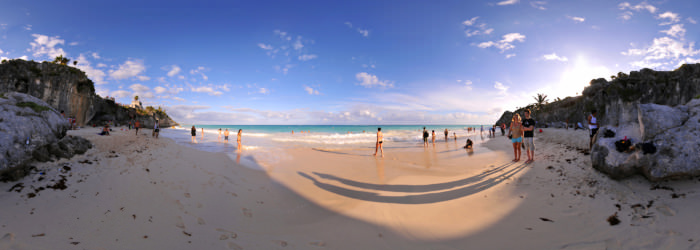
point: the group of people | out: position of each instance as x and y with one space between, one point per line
225 132
522 132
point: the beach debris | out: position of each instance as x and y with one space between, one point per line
38 235
86 161
655 187
223 237
528 228
651 203
133 215
676 196
61 184
613 220
545 219
75 242
247 212
18 186
31 195
619 208
66 168
186 233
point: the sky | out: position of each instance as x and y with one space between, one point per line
349 62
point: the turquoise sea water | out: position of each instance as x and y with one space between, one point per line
339 129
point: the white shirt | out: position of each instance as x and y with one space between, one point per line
593 120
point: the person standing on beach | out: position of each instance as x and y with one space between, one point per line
156 129
516 134
446 134
137 125
433 137
219 138
239 139
202 133
503 128
425 137
194 134
226 133
529 136
380 140
593 125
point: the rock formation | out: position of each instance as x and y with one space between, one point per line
652 108
67 88
31 130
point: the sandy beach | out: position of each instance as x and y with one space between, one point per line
138 192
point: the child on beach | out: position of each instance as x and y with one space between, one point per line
380 140
194 134
516 134
239 139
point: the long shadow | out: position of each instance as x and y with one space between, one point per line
414 188
420 198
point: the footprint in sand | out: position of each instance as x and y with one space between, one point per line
230 234
247 212
318 243
179 223
187 195
280 242
200 221
179 205
234 246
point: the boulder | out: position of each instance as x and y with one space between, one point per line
674 132
28 128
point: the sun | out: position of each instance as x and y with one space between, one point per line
578 76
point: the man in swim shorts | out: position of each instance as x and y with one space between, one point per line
529 136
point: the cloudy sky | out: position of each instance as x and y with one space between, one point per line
355 62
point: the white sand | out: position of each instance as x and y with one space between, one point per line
143 193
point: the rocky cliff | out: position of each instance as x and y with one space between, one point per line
616 100
68 89
657 110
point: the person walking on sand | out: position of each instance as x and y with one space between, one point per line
137 125
380 140
425 137
516 134
226 133
529 136
446 134
239 139
156 129
593 125
194 134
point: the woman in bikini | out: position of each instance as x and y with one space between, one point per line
516 133
239 139
380 140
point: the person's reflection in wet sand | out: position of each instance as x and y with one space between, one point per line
238 157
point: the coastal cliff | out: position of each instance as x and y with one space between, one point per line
656 110
69 89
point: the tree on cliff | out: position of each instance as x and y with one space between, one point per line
541 99
61 60
136 98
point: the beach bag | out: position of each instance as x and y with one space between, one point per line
623 145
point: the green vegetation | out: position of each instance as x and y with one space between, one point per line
86 85
2 95
61 60
36 107
35 70
541 99
697 97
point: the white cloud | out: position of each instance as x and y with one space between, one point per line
101 65
638 7
676 30
691 20
369 81
284 69
143 78
672 18
95 55
627 15
130 68
120 94
554 57
208 90
576 19
307 57
45 45
298 45
200 70
98 76
160 90
475 27
283 35
538 5
663 53
506 43
174 70
28 27
500 87
141 91
265 47
508 2
311 91
510 55
349 24
263 91
364 33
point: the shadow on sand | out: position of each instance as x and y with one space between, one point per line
472 185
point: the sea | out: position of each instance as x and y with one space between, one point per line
262 144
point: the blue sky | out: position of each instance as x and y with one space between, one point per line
353 62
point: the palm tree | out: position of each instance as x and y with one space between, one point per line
61 60
136 98
540 99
